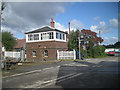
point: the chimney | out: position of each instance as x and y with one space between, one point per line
52 23
69 33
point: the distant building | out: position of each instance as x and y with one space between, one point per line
20 44
44 42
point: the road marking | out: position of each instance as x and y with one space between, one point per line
61 79
31 72
69 64
23 73
88 59
34 71
49 81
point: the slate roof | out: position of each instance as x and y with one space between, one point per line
20 43
44 29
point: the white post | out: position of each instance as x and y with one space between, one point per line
74 54
79 48
57 54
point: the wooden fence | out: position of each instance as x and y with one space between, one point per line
12 54
66 54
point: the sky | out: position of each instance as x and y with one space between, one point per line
20 17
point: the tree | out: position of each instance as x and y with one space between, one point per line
8 41
74 37
90 40
117 44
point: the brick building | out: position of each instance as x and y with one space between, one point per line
20 44
44 42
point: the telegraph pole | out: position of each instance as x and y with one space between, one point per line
100 35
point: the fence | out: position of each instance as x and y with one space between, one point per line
12 54
66 54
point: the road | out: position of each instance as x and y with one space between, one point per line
91 73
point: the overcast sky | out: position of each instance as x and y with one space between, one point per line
21 17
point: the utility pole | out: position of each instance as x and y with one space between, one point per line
100 35
69 33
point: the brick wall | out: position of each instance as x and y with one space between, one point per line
40 47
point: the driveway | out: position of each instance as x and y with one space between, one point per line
92 73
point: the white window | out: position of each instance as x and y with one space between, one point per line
30 37
51 35
56 35
63 36
45 36
46 53
60 36
34 53
36 36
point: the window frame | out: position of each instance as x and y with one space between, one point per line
46 53
35 36
34 54
30 37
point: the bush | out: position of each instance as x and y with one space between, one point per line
96 51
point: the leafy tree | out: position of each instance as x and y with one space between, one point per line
8 41
90 41
117 44
74 37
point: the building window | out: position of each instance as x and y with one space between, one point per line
56 35
63 36
51 35
45 36
36 36
30 37
41 36
46 53
60 36
34 53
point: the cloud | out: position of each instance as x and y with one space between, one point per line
110 40
113 23
60 27
101 27
21 17
76 24
9 30
96 18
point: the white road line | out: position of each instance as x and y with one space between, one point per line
34 71
23 73
49 81
62 79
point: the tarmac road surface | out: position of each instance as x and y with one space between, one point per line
91 73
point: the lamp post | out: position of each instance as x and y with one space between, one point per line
79 47
79 38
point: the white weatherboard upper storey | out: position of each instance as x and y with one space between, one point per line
54 35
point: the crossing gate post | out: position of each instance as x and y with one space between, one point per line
57 54
74 54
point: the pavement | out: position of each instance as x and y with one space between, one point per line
89 73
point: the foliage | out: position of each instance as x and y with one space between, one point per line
116 45
90 41
8 41
74 37
96 51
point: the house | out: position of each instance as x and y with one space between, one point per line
20 44
44 42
